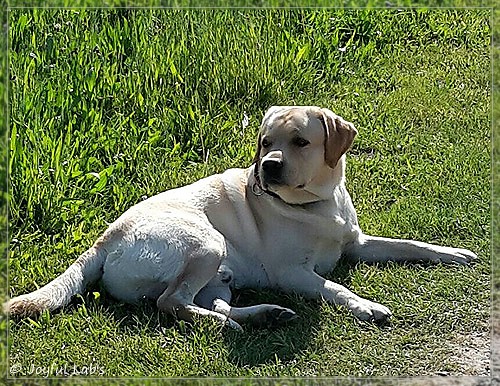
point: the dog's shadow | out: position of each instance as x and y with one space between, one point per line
284 343
270 344
254 346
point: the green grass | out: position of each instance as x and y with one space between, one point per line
3 188
496 174
108 106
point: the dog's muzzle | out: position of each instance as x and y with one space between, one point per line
272 168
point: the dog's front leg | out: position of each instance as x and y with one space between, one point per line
310 284
380 249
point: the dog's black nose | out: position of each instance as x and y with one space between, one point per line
272 167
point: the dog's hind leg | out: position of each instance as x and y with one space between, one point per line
178 298
216 295
217 288
262 315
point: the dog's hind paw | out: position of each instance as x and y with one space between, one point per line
234 325
275 316
281 315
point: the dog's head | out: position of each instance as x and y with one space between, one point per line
300 152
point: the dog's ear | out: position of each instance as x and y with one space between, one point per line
257 154
339 135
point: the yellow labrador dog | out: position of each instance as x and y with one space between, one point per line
282 223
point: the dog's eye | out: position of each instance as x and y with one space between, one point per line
300 142
266 143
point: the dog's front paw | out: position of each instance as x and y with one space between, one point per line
367 310
449 255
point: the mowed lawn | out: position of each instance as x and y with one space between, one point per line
110 106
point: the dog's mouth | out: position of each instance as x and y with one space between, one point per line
276 185
272 182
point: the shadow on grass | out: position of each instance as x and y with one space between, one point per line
282 344
255 346
259 346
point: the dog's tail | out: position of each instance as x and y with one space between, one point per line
58 293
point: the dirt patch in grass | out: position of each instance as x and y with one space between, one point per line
495 347
473 354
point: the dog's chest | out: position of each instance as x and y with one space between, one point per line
274 243
312 244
